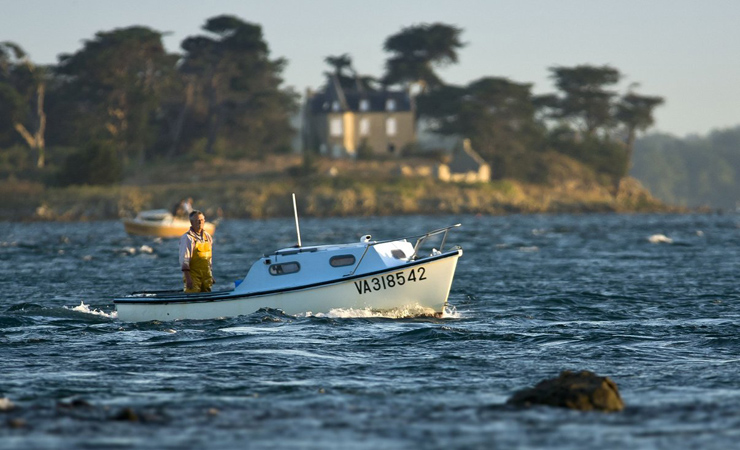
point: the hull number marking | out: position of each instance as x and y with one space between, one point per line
390 281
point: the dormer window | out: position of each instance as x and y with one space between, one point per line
335 106
364 105
390 105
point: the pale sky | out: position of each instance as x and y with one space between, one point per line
687 51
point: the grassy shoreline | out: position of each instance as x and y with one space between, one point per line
319 197
261 189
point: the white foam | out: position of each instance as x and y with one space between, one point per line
660 239
6 404
450 312
395 313
530 249
83 308
249 330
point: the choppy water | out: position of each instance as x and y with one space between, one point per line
533 295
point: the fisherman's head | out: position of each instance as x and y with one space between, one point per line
197 220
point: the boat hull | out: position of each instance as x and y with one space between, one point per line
163 230
419 284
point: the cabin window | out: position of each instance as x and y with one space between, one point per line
342 260
335 126
390 126
398 254
390 105
335 106
285 268
364 126
364 105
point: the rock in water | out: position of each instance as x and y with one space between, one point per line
583 390
127 415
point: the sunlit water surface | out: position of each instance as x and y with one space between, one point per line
533 295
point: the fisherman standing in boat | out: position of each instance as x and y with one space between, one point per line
196 247
183 208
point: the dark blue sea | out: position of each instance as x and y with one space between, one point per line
651 301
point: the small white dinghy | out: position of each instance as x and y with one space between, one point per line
375 275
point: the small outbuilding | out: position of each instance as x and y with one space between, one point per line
466 166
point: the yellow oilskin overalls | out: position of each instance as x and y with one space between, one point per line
200 268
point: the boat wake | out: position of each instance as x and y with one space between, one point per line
405 312
83 308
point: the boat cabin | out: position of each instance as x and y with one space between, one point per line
301 266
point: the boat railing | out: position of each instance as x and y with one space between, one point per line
420 239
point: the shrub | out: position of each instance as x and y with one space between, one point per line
95 164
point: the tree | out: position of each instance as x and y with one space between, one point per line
584 99
346 75
417 50
694 171
497 115
341 65
113 85
96 163
22 91
636 113
237 99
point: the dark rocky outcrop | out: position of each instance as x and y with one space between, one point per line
127 415
583 391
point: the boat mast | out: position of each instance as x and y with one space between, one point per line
295 214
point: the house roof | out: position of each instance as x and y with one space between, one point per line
466 159
349 100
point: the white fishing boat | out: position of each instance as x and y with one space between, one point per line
160 223
376 275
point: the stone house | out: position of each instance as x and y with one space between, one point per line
341 122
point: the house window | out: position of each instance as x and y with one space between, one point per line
390 126
335 126
364 126
284 268
390 105
342 260
335 106
364 105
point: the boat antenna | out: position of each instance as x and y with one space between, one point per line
295 214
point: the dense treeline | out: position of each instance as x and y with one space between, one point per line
694 171
122 101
